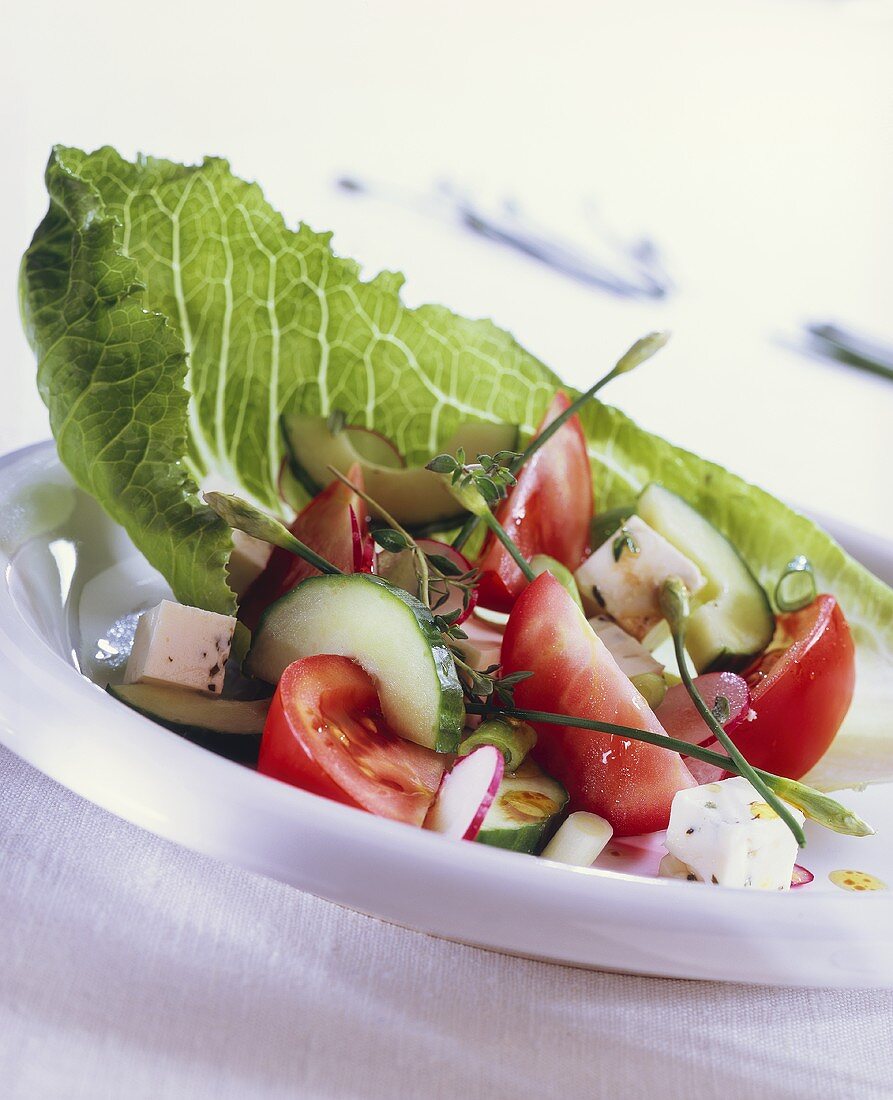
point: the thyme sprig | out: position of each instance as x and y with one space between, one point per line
480 687
490 477
437 575
479 485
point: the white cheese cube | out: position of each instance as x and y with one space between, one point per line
247 561
724 833
580 840
180 646
625 575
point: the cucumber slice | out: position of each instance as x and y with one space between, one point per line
525 812
734 619
413 496
229 727
384 629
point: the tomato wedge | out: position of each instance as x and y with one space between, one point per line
324 733
326 526
548 511
800 690
629 783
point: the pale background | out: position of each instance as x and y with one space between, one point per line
752 141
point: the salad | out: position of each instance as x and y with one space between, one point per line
414 573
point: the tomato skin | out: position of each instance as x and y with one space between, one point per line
548 511
801 694
629 783
325 734
327 526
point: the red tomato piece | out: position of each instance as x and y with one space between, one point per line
326 526
801 691
629 783
325 733
548 511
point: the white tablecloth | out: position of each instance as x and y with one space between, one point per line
751 139
133 968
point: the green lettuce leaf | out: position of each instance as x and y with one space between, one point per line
175 315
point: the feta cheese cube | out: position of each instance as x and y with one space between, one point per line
180 646
724 833
625 577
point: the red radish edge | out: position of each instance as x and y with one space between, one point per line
432 546
363 547
800 876
466 793
389 443
678 716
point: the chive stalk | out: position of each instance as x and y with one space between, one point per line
818 807
675 607
500 532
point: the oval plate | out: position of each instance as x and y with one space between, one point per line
616 916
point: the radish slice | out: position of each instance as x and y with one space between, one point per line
399 569
679 717
800 876
453 601
374 447
363 547
466 794
497 619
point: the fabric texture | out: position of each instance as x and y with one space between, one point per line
134 968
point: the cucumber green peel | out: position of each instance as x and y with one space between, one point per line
387 631
525 812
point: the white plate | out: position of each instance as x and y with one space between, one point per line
54 539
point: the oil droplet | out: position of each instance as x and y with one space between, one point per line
527 806
761 811
856 880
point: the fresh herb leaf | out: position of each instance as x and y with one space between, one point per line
389 539
624 541
445 565
443 464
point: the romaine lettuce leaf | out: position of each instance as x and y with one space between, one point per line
175 316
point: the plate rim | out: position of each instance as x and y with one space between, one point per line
635 900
